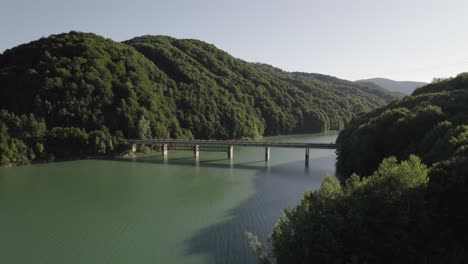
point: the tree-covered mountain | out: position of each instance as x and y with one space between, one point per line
386 211
426 124
216 88
81 94
432 123
403 87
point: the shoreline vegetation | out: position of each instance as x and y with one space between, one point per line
79 94
403 194
126 154
142 150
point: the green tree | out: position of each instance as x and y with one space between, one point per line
381 218
433 123
144 129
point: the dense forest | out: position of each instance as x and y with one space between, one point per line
218 96
403 194
78 94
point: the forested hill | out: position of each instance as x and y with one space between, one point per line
212 86
79 93
431 123
404 196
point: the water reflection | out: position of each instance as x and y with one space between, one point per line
276 187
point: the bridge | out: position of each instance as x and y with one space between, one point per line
225 146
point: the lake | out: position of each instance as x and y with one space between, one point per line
154 210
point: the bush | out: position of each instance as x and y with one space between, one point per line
144 149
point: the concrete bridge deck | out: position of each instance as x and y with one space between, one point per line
243 143
228 146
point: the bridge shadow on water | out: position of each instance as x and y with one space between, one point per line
276 187
190 161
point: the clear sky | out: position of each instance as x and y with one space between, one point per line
351 39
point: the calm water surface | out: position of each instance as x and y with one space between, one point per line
151 210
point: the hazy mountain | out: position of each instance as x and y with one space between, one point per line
404 87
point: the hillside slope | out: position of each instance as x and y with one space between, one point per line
283 102
393 207
425 124
80 94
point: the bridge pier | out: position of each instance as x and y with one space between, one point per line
134 148
307 157
230 152
267 153
164 150
196 151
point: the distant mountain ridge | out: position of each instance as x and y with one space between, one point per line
404 87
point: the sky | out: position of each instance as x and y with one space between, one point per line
413 40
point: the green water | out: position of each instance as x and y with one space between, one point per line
152 210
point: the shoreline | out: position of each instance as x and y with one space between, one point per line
127 155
